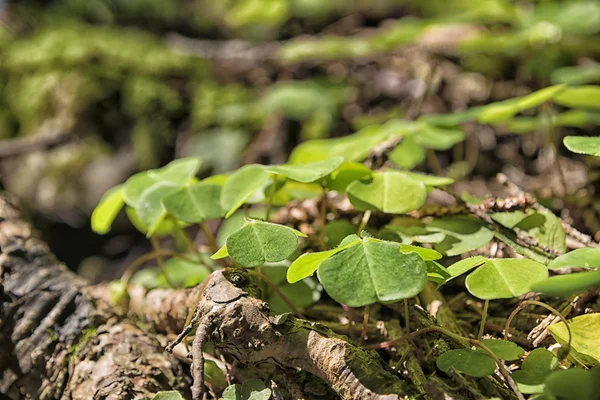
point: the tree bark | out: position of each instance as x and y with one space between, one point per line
56 343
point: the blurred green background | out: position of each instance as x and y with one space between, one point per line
133 84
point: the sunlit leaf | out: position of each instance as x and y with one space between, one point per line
305 265
569 284
106 211
583 145
577 75
467 361
169 395
347 173
430 180
580 97
463 234
194 203
309 172
149 207
177 171
586 257
505 278
241 185
258 242
501 111
432 137
355 147
584 342
437 273
391 192
465 265
408 154
371 271
426 254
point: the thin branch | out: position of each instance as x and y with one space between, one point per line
15 147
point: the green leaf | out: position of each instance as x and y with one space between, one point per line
408 154
309 172
437 273
546 228
465 265
213 375
221 253
504 110
233 392
510 238
255 389
510 219
305 265
470 362
135 186
573 384
430 180
347 173
426 254
170 395
242 184
391 192
505 278
585 345
166 226
258 242
536 367
583 145
503 349
412 230
577 75
194 203
178 171
586 257
150 208
463 234
432 137
542 225
569 284
587 96
354 147
106 211
371 271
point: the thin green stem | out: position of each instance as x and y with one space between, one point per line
544 305
364 221
159 259
323 218
486 304
138 262
209 236
271 195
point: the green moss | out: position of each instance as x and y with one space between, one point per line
86 335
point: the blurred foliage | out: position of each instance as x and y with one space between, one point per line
141 81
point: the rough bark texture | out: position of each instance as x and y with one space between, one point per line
56 344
